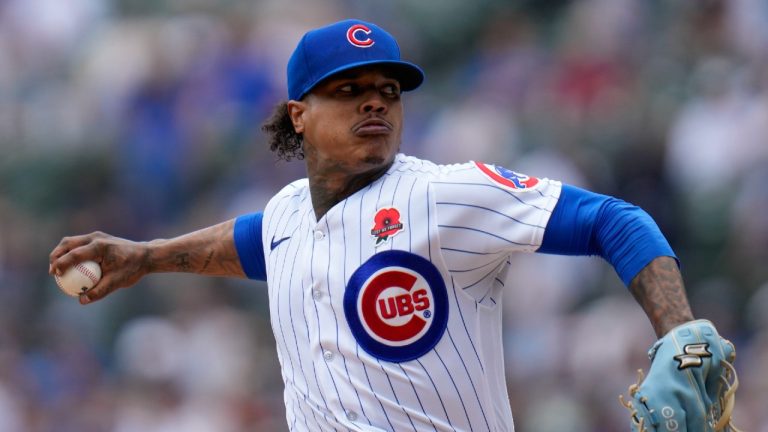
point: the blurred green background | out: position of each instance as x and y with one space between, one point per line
141 119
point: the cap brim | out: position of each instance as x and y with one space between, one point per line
408 74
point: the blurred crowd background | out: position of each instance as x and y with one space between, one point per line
141 119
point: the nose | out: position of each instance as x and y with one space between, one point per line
374 103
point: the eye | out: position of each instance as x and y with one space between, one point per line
347 89
391 90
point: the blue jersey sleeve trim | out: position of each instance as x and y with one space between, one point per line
250 247
586 223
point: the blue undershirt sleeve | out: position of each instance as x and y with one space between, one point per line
250 247
587 223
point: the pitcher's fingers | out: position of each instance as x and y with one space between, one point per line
105 286
90 251
69 243
72 257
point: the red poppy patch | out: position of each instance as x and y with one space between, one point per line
386 223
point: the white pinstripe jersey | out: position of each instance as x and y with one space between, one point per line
390 320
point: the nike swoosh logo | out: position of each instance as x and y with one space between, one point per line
274 244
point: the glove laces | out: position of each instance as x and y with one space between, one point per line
730 381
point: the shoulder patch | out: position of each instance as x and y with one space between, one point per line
396 305
506 178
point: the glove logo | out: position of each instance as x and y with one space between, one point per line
396 305
694 353
669 419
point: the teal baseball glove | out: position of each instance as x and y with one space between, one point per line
690 386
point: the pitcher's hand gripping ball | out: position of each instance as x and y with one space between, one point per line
79 278
690 386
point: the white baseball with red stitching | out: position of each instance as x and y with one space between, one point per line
79 278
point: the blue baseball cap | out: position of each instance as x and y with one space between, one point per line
342 46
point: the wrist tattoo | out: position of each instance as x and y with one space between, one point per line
660 291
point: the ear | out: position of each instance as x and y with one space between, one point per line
296 110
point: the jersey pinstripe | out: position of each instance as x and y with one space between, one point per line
455 217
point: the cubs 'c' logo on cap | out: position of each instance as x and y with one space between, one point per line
386 224
358 35
396 305
507 178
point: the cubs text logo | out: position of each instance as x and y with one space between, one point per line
358 35
507 178
396 305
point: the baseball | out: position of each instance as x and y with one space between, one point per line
79 278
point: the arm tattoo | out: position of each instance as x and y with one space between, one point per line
227 261
659 290
182 262
210 251
207 260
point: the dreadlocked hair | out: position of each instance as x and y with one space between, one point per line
283 138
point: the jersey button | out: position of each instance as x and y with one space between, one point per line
319 235
317 294
351 415
328 356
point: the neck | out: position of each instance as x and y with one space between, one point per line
333 184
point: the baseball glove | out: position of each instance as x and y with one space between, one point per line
690 386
